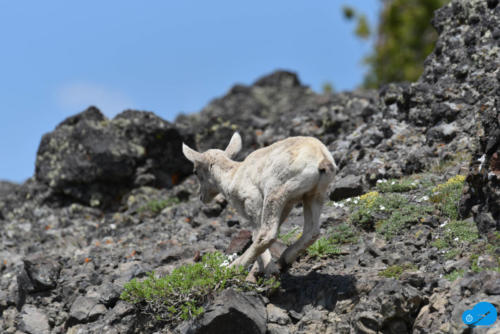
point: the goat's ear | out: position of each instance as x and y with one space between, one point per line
191 154
234 145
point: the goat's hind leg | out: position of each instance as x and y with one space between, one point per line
312 211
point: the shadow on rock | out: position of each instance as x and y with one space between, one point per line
315 289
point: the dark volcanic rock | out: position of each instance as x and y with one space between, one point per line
240 242
231 312
390 308
478 92
349 186
277 106
95 160
63 267
42 271
33 321
85 309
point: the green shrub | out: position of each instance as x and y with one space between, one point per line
181 294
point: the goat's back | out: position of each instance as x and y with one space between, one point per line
287 158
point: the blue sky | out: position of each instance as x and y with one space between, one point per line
58 57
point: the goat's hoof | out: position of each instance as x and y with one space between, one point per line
283 266
251 278
234 264
272 269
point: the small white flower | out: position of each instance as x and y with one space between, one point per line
444 224
355 201
348 200
393 182
425 198
112 226
456 239
382 207
225 263
232 257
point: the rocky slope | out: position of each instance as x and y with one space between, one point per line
114 199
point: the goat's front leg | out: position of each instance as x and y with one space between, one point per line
267 233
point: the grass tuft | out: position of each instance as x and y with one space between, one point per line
323 247
181 294
395 271
446 196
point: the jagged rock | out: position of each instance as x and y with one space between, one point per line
230 312
348 186
33 321
85 309
94 160
118 320
240 242
107 294
90 253
7 188
277 315
390 307
475 56
43 271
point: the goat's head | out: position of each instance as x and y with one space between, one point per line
204 163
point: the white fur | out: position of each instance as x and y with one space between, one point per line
265 187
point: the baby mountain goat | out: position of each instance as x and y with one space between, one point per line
265 187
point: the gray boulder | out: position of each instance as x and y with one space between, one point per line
91 159
33 321
231 312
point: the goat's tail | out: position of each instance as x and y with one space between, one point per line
326 167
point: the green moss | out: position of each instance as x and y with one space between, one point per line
368 207
452 253
456 234
397 186
399 219
396 270
440 244
181 294
343 234
454 275
461 231
154 207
